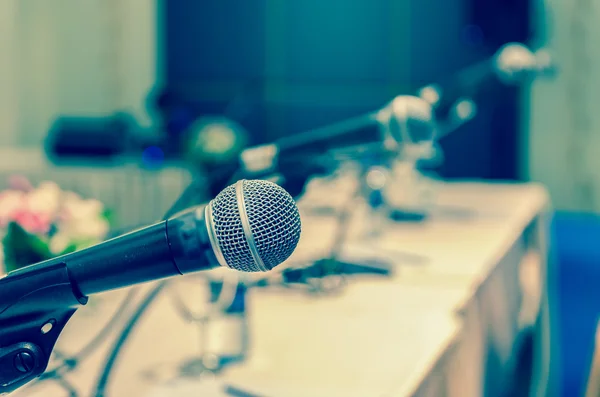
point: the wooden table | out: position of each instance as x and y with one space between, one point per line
466 283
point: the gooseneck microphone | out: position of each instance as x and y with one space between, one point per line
263 159
251 226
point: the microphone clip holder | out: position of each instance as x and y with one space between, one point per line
33 312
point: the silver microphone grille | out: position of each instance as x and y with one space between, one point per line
256 225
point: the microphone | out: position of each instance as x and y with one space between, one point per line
264 159
91 139
405 124
404 120
251 226
513 64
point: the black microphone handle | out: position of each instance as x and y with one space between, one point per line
177 246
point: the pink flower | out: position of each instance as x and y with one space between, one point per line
31 222
47 207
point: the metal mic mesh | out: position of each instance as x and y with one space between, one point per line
228 228
274 221
274 224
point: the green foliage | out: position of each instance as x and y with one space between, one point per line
110 216
22 249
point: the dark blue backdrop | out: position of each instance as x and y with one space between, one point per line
281 67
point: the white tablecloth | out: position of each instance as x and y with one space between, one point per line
466 282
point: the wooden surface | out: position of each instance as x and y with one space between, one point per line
424 331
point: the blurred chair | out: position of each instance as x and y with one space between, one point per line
136 196
576 237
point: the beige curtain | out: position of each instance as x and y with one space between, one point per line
86 58
81 57
8 86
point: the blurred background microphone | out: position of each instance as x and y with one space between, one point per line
513 64
79 138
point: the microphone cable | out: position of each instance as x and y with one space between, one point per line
100 388
70 363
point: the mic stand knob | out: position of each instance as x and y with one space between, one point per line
19 363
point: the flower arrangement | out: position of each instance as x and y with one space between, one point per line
44 222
